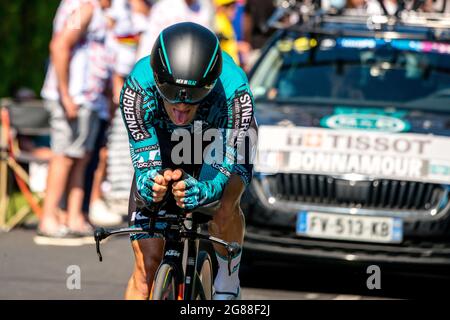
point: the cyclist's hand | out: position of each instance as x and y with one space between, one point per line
70 107
154 185
186 190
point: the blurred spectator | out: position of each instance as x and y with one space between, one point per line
122 42
93 202
140 12
129 20
374 7
356 7
356 4
336 5
256 32
126 24
74 94
442 5
24 94
225 12
427 6
238 19
119 170
36 145
238 26
435 6
167 12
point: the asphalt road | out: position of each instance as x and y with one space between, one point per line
29 271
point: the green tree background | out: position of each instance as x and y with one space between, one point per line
25 33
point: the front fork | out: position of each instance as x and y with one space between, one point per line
173 251
191 269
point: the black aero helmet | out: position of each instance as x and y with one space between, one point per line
186 60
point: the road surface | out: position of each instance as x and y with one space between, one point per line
30 271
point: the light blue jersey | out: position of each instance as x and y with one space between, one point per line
151 133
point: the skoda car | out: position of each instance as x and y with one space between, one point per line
353 160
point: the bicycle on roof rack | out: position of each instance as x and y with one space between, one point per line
186 271
310 15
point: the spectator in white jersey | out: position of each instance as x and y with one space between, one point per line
74 94
130 18
127 19
374 7
168 12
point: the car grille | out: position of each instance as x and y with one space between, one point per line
382 193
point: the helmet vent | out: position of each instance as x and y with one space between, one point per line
214 62
162 59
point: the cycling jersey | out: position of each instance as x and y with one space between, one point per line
153 137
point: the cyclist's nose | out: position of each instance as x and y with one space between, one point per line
183 106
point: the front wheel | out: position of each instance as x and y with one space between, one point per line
165 284
204 277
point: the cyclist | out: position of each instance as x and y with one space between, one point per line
188 83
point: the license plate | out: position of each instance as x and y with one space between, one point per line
349 227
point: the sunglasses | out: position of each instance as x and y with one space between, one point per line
179 94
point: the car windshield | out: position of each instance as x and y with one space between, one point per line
363 71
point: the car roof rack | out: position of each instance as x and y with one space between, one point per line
309 16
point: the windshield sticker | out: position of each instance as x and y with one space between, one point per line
285 45
405 156
399 44
366 119
326 44
421 46
359 43
304 44
300 45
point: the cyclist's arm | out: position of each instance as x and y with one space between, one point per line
138 106
240 111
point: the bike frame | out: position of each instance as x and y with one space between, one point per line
180 231
174 252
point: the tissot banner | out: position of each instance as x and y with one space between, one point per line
401 156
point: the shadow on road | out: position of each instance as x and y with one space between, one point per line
342 280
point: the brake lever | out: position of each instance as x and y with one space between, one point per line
99 235
97 245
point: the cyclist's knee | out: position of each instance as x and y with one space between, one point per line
233 190
147 266
147 259
143 275
228 222
230 203
229 209
226 216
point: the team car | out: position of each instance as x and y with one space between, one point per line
353 158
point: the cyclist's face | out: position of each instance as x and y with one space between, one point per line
181 113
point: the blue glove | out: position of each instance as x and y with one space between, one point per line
195 194
145 185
